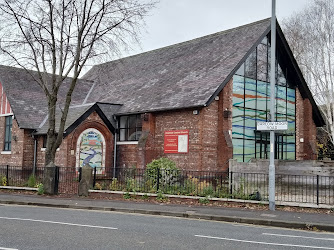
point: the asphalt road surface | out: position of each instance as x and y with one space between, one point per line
27 227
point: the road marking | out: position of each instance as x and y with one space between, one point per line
61 223
296 236
263 243
4 248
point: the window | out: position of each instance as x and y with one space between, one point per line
130 127
8 133
44 140
251 101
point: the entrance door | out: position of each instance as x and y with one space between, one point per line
263 145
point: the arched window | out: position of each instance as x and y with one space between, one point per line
91 150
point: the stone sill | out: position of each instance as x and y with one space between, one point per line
127 143
6 152
43 149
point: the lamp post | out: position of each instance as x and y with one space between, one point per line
272 109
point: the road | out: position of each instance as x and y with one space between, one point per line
28 227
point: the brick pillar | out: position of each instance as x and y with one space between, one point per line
310 132
146 150
225 147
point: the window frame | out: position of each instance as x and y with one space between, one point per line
7 146
126 128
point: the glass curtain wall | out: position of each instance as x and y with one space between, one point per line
251 104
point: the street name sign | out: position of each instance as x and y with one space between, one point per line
272 126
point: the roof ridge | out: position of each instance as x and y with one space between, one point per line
186 42
36 72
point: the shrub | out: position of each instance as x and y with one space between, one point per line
161 196
3 181
145 197
40 187
126 196
32 181
98 186
168 172
114 185
204 200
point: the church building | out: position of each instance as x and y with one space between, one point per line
196 103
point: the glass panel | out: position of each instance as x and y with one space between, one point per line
291 102
280 77
261 116
238 122
138 121
258 150
241 70
238 91
123 122
250 93
281 99
290 139
265 40
261 95
123 135
138 134
132 122
249 123
238 149
291 152
250 69
249 150
262 73
291 124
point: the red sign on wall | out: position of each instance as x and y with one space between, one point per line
176 142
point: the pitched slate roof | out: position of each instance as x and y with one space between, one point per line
77 114
27 99
183 75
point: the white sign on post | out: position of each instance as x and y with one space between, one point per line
272 126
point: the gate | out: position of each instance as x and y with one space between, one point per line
67 180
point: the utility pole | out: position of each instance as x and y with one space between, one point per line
272 108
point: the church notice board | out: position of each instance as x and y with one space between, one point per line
176 142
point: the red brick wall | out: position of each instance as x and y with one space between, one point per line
305 130
127 156
299 126
15 158
203 139
310 131
225 148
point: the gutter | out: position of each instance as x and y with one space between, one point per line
35 156
115 148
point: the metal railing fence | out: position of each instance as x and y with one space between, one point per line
20 176
234 185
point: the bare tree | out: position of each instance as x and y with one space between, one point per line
57 38
310 34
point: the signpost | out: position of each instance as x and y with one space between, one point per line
272 108
269 126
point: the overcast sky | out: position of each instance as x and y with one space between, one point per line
174 21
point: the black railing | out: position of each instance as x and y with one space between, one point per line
67 178
20 176
235 185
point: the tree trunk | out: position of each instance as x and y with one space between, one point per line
51 146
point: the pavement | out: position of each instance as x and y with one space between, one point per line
296 220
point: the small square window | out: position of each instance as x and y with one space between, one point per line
130 128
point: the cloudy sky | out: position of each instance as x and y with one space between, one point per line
174 21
